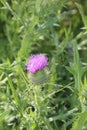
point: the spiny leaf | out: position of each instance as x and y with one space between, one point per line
79 122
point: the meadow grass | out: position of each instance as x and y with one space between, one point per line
58 29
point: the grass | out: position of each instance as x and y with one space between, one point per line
58 29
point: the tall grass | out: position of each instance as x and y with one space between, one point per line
58 29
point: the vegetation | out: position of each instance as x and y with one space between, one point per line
57 28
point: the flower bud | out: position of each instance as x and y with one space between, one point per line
37 68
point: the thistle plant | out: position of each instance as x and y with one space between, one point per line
38 75
37 68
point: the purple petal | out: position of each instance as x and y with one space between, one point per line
37 62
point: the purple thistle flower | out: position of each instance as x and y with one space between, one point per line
37 62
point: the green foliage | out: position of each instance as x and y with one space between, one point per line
58 29
80 122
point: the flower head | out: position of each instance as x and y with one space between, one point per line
37 62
